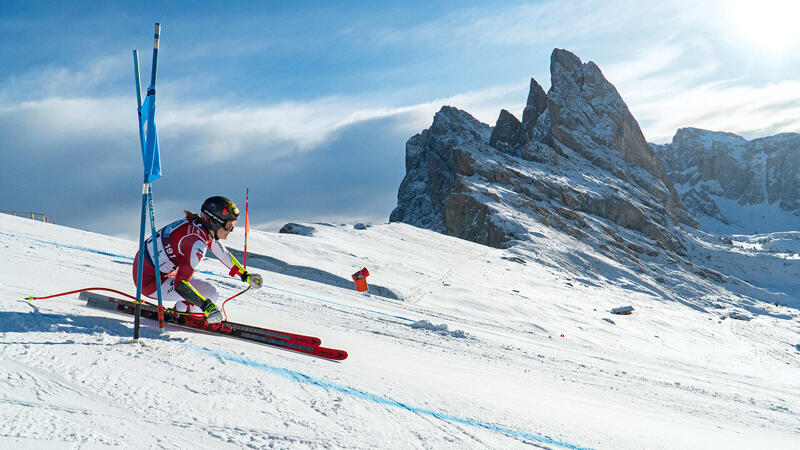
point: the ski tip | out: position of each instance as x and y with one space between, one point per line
332 353
31 298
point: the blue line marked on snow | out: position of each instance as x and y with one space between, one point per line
100 252
374 398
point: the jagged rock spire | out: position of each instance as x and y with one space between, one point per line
535 106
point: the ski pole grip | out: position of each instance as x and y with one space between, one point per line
156 37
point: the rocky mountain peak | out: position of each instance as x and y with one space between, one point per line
577 153
706 138
564 62
449 119
587 111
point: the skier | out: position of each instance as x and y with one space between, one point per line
181 246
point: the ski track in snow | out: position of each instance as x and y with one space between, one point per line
666 377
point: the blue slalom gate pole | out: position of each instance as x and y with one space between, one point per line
140 265
152 91
149 149
155 252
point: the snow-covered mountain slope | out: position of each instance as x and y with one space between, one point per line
530 357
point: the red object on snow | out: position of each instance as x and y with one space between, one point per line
360 278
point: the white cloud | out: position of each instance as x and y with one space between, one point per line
752 111
217 130
44 123
665 93
302 126
583 23
63 82
644 63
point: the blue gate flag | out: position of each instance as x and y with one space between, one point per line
151 156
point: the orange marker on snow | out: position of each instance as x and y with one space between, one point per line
360 278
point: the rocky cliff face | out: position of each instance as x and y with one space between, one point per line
713 169
577 161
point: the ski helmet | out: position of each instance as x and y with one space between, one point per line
219 211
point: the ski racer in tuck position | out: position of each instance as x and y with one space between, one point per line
181 246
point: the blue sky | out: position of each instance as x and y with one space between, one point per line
310 103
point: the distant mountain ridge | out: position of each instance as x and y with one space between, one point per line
723 176
577 155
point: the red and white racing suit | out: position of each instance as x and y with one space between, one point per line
181 246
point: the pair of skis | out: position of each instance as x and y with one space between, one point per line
289 341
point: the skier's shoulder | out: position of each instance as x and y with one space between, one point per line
186 228
171 228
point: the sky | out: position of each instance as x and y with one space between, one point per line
309 104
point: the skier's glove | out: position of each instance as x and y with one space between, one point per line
253 279
213 314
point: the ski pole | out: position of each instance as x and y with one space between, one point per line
246 223
32 298
231 298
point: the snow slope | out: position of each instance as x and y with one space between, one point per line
530 356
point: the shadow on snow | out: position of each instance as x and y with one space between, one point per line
307 273
38 322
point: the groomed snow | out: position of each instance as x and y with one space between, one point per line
510 354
